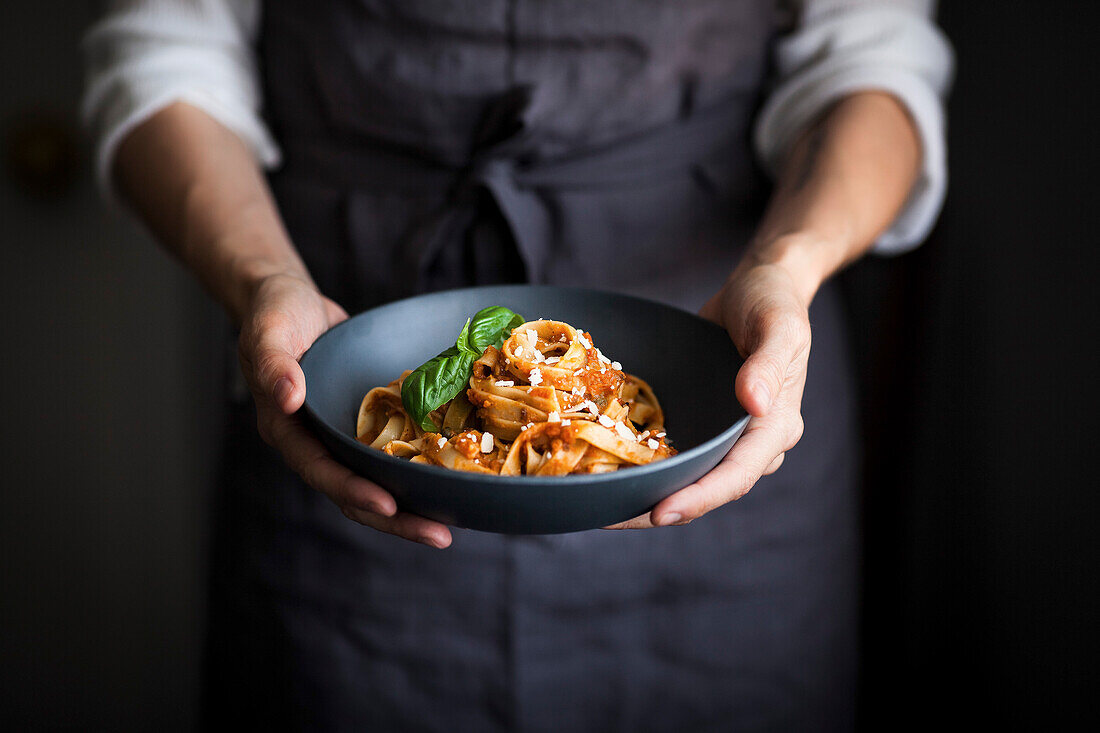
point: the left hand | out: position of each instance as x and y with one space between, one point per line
766 315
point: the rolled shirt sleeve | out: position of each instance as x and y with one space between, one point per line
143 55
839 47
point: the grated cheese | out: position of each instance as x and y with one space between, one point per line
504 383
606 421
486 442
623 431
652 443
553 417
441 442
536 377
616 366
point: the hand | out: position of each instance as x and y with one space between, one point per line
285 316
762 308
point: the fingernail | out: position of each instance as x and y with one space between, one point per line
282 390
430 542
376 509
668 518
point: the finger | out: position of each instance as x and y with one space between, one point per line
305 455
774 465
782 342
407 526
731 479
360 500
642 521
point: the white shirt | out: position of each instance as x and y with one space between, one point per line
145 54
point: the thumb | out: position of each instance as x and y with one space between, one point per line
783 338
276 373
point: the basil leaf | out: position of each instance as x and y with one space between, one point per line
435 382
463 342
442 377
490 326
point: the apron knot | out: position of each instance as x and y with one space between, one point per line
483 173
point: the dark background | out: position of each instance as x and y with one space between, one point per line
977 351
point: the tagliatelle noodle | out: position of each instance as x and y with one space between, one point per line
524 355
504 411
382 417
458 412
645 410
547 403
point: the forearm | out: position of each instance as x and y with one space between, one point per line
843 184
200 191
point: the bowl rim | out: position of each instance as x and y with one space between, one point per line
429 470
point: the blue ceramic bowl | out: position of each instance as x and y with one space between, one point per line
690 363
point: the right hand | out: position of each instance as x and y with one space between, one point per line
285 315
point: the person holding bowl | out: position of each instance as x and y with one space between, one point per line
306 160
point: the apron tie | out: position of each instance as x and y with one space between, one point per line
522 187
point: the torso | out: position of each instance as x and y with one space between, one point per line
748 614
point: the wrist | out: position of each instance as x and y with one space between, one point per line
236 264
248 274
234 252
807 257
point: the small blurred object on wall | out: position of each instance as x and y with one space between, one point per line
42 153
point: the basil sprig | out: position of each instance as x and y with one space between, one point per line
442 377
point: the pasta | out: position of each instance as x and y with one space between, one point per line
546 403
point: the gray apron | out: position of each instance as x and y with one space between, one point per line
437 143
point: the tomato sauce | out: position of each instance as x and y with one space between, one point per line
601 382
468 443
